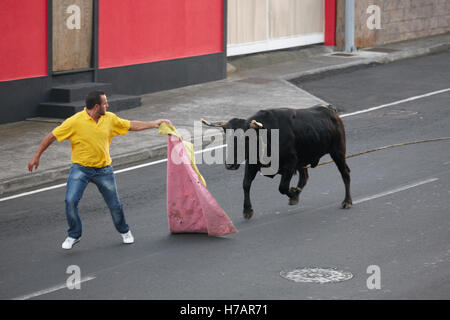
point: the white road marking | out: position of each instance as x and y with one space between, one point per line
396 102
222 146
403 188
50 290
33 192
140 166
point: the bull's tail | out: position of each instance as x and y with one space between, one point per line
342 139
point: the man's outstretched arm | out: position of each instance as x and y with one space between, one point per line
46 142
144 125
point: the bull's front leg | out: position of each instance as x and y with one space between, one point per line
285 182
250 173
303 179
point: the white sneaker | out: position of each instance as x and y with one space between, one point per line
69 242
127 237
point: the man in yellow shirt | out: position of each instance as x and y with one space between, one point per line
90 133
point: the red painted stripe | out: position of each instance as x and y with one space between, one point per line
142 31
23 45
330 22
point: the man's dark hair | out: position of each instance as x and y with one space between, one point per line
93 98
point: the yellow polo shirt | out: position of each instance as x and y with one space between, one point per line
90 140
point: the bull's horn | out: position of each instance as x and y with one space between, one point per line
255 125
214 124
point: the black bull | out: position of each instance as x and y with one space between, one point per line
305 135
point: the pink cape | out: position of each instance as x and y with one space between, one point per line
190 206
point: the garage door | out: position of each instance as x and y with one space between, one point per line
264 25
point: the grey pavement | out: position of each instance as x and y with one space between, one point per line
254 82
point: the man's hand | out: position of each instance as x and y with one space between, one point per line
159 121
34 163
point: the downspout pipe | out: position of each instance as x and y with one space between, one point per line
349 26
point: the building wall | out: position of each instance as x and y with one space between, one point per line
23 45
149 31
400 20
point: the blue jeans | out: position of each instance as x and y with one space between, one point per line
103 178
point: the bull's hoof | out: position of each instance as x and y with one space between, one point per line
294 200
346 204
248 214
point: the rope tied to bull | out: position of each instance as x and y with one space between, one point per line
383 148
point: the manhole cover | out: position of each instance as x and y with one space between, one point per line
316 275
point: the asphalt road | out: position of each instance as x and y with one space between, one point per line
404 229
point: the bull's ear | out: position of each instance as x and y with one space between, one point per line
256 125
221 124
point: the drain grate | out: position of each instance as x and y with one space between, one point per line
256 80
384 50
343 54
316 275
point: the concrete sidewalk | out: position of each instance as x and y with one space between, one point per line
254 82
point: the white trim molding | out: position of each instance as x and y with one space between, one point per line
274 44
